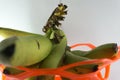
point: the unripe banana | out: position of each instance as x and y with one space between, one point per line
53 33
24 50
11 71
54 59
56 55
72 58
103 51
32 78
15 71
6 33
79 52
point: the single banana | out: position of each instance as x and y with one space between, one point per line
56 55
79 52
103 51
11 70
6 33
54 59
24 50
72 58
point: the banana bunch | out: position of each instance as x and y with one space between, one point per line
31 50
50 50
108 50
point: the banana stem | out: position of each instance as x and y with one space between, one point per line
52 28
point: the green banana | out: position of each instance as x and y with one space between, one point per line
103 51
57 36
11 70
6 33
56 55
14 51
79 52
53 43
54 59
72 58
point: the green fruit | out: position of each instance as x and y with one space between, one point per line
6 33
72 58
104 51
56 55
32 78
79 52
11 70
24 50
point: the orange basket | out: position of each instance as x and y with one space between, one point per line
61 71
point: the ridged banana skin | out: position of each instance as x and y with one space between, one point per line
28 50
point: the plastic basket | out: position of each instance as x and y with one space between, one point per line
61 71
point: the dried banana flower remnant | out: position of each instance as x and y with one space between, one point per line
57 15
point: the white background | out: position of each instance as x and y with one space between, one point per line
93 21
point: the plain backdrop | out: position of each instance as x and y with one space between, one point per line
88 21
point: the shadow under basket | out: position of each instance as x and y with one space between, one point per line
62 71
